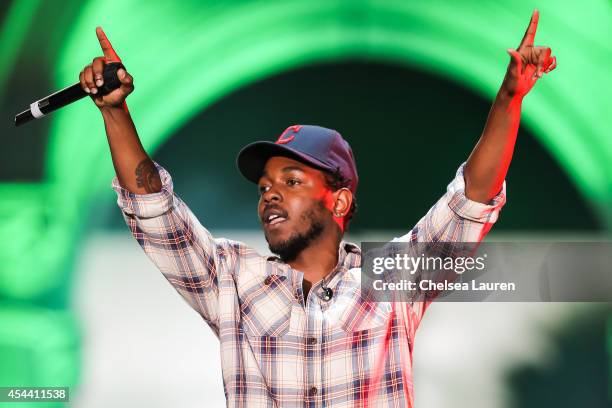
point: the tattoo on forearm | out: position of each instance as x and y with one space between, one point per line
147 176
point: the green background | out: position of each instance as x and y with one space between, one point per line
409 84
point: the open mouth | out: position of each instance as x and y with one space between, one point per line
275 219
274 216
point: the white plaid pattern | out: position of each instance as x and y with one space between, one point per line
277 348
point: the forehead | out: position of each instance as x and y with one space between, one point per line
278 165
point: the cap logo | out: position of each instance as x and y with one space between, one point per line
282 139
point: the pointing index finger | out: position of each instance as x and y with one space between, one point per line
531 29
107 48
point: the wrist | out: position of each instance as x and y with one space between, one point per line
113 111
508 97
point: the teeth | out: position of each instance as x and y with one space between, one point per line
276 220
273 216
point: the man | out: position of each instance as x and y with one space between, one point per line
293 329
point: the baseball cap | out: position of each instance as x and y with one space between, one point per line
316 146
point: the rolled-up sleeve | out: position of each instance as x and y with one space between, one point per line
181 248
469 209
146 205
456 218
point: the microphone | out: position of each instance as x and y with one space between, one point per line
327 293
68 95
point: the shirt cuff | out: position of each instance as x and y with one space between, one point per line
146 205
473 210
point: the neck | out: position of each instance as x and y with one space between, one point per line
319 259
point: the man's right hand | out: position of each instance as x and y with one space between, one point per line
91 77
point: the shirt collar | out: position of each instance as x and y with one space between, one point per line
344 249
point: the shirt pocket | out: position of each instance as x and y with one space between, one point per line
365 315
265 306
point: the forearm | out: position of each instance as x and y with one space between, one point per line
488 163
134 168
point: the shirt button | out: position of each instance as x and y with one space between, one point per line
268 280
312 391
312 340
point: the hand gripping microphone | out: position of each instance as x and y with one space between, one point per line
70 94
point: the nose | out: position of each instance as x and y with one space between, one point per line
272 195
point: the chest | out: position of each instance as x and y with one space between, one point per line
274 303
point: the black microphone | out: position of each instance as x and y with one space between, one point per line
327 293
68 95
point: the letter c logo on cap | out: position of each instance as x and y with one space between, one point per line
282 139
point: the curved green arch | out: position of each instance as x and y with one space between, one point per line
185 58
186 55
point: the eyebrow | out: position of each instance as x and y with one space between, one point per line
284 170
292 168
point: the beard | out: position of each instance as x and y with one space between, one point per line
289 249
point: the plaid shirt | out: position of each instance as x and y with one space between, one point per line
279 349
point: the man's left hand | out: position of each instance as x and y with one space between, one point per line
527 63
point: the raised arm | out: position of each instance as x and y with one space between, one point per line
189 257
134 168
488 163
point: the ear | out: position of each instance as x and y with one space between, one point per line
343 198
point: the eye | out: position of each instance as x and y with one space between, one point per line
263 189
293 182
